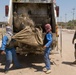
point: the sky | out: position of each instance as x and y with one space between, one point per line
65 10
2 10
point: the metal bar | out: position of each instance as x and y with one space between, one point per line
61 41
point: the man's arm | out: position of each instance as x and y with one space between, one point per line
74 37
3 46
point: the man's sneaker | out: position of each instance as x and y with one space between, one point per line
48 71
5 71
19 67
44 69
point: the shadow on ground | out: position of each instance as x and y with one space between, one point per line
29 61
69 63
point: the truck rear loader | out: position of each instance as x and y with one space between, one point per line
32 13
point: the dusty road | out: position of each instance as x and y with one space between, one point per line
32 65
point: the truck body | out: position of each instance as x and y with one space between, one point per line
40 11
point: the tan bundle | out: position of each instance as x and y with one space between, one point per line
29 37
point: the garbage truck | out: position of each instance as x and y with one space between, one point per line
30 16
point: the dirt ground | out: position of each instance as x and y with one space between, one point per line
33 64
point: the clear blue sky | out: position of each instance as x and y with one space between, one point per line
66 7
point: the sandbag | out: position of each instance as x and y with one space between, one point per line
29 36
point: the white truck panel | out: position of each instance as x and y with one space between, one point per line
10 13
35 1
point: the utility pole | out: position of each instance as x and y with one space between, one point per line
65 18
61 37
4 18
60 19
73 13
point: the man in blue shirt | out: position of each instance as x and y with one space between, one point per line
47 46
10 52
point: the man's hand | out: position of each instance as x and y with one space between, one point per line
44 47
2 52
72 41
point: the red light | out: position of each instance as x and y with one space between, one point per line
57 11
6 10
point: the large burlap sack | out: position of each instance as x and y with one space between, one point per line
29 37
21 21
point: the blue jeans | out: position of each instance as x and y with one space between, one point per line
46 58
11 55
